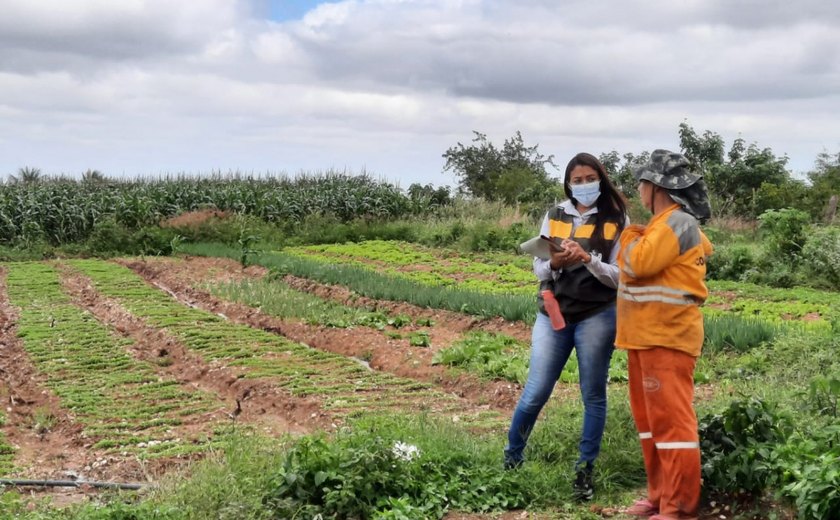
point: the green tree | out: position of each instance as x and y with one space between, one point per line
428 195
734 179
825 182
514 173
791 193
705 151
620 170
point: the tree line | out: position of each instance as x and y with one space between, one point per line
744 180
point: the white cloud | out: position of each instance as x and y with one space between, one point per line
147 86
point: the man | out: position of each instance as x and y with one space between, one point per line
661 285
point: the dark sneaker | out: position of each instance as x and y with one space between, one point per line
584 488
512 463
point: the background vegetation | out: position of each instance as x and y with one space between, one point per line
771 431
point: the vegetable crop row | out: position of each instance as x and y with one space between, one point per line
344 384
122 402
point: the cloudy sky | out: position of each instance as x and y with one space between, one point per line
145 87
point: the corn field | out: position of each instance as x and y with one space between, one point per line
60 211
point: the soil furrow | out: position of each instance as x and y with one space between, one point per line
48 441
261 403
383 354
340 384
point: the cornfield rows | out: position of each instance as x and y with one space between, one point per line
61 211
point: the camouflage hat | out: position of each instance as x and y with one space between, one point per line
667 169
694 200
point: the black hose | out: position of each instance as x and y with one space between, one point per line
67 483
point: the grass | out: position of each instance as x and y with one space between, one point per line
256 478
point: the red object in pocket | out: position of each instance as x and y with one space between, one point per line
552 307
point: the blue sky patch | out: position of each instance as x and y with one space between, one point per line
284 10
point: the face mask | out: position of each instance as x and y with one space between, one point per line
586 194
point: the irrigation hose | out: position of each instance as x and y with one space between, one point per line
67 483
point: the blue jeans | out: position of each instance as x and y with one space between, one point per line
593 339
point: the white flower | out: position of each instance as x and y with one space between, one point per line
405 452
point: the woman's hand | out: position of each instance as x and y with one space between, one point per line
560 258
574 253
566 255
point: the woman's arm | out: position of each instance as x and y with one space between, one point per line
605 272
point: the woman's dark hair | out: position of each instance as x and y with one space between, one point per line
611 206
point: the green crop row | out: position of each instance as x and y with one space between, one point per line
122 402
512 274
813 307
728 332
393 287
497 273
345 385
278 299
7 452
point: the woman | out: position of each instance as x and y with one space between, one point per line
582 275
663 267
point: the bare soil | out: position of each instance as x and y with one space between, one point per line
194 219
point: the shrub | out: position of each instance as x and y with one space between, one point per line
489 237
151 240
811 474
223 228
359 476
776 273
785 231
730 262
821 257
738 447
109 236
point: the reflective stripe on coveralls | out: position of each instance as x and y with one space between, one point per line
648 294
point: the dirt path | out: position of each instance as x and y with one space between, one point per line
383 353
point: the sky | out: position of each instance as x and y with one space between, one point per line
152 87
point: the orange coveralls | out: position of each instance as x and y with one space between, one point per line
661 285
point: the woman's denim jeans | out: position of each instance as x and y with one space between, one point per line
593 339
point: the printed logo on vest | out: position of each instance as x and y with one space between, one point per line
651 384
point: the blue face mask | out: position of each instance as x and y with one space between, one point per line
586 194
